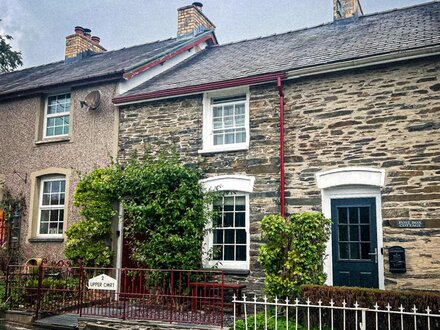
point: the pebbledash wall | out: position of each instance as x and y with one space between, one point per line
384 117
91 143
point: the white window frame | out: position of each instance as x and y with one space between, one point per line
241 186
60 114
208 142
42 207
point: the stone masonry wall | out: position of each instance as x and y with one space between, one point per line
383 117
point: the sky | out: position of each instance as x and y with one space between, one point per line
39 27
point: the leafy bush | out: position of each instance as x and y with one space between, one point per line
294 252
88 240
367 298
165 214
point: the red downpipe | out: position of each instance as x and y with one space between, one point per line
282 178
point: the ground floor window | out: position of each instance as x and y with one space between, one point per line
229 228
51 206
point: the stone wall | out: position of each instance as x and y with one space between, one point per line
109 324
384 117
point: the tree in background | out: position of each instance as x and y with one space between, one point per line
9 58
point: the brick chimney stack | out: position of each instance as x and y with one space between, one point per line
82 44
192 21
346 9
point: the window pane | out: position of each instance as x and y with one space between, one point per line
354 251
45 215
353 214
343 233
217 252
229 219
364 214
229 236
50 131
342 214
59 130
218 139
218 112
218 236
56 186
241 137
343 251
241 236
54 199
239 109
228 110
240 219
229 138
50 122
46 199
218 123
365 233
240 202
229 252
354 233
241 253
44 228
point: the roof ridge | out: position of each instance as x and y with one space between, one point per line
107 52
324 24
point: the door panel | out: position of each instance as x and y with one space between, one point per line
354 242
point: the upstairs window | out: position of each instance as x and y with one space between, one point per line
226 121
51 206
57 116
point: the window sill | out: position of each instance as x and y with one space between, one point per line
53 140
244 272
225 149
46 240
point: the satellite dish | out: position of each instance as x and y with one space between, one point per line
92 100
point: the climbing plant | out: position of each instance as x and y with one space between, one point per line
294 252
165 213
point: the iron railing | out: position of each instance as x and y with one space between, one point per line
285 314
175 296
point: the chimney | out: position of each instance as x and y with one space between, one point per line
192 21
82 44
346 9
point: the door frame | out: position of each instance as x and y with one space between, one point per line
352 183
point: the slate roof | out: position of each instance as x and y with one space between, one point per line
98 65
369 35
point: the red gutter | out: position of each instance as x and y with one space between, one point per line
282 176
145 67
199 88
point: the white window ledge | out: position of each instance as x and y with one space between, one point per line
223 148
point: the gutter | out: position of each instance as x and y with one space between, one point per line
69 84
197 89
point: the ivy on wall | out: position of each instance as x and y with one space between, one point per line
294 252
165 214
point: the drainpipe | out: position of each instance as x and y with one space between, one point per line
282 178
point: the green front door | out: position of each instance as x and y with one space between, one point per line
354 242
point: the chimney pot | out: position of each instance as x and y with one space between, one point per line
96 39
199 5
87 33
79 30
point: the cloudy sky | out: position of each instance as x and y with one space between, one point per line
40 26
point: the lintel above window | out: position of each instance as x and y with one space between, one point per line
226 120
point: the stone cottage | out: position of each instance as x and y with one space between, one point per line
58 121
341 118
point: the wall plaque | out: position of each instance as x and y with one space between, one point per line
408 223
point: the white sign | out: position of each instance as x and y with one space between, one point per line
102 282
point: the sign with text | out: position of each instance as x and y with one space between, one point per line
102 282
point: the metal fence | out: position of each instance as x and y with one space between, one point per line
180 296
286 315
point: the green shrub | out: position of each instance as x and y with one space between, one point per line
294 252
367 298
165 214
